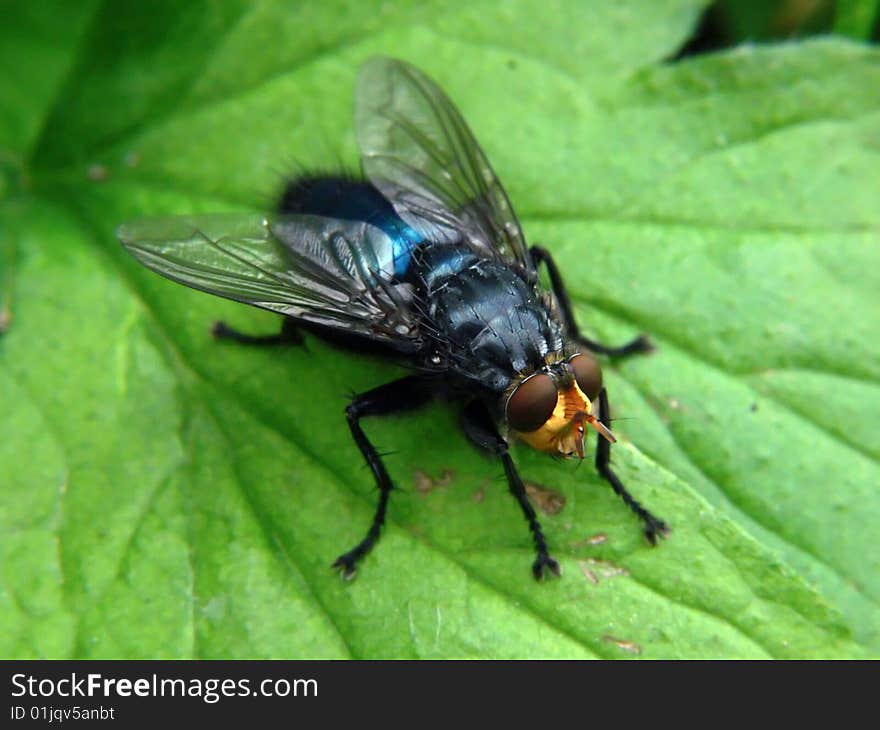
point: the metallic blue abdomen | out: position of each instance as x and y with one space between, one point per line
355 200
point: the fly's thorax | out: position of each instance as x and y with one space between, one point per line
548 409
488 323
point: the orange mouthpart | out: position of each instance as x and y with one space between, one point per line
578 421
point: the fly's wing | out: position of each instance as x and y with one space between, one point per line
329 272
418 151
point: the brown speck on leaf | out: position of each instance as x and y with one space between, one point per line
598 539
426 483
97 173
588 574
549 501
479 495
5 317
423 482
628 646
601 568
753 407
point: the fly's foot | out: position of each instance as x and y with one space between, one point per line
346 565
655 528
545 566
641 344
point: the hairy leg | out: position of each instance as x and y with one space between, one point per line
480 428
399 395
654 526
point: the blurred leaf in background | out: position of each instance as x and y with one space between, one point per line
727 23
164 495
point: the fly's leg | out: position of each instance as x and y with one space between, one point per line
481 430
640 344
289 335
654 526
399 395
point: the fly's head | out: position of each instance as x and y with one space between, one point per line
550 408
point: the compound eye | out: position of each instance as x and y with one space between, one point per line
532 403
588 374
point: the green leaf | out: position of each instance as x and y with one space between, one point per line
165 495
856 18
739 21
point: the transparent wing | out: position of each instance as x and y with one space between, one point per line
322 270
416 148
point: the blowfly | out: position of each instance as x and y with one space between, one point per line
423 260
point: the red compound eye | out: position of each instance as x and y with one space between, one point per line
532 403
588 374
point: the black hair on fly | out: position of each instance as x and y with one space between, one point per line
335 195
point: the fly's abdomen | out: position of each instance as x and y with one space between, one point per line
336 196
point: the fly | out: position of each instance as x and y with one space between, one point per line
422 260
